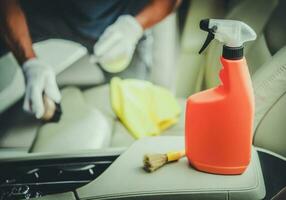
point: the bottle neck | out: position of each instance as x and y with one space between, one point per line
232 53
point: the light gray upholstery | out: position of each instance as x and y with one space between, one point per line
164 54
269 84
100 98
12 152
121 137
82 73
125 178
60 54
12 83
18 130
80 127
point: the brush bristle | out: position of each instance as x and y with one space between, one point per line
154 161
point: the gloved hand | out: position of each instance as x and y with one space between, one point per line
115 48
40 78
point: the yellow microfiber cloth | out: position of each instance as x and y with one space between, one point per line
145 109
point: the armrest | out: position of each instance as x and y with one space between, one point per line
125 178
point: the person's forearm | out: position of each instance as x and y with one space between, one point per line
155 11
14 30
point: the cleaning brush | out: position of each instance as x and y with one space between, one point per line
154 161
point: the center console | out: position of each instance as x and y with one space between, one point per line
40 175
119 175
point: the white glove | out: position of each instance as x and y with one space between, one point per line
115 48
40 78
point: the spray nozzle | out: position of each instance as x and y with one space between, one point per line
204 25
231 33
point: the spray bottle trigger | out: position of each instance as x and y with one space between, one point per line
209 38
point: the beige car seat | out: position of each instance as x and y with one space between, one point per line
18 129
88 121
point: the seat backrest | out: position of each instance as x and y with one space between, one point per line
269 84
12 83
58 53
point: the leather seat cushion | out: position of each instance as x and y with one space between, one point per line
81 127
18 129
99 97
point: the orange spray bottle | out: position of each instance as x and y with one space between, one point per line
219 121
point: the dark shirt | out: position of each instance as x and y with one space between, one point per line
91 17
81 21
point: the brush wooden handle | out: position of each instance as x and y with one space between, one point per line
50 108
175 155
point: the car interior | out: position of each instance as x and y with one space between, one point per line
89 151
